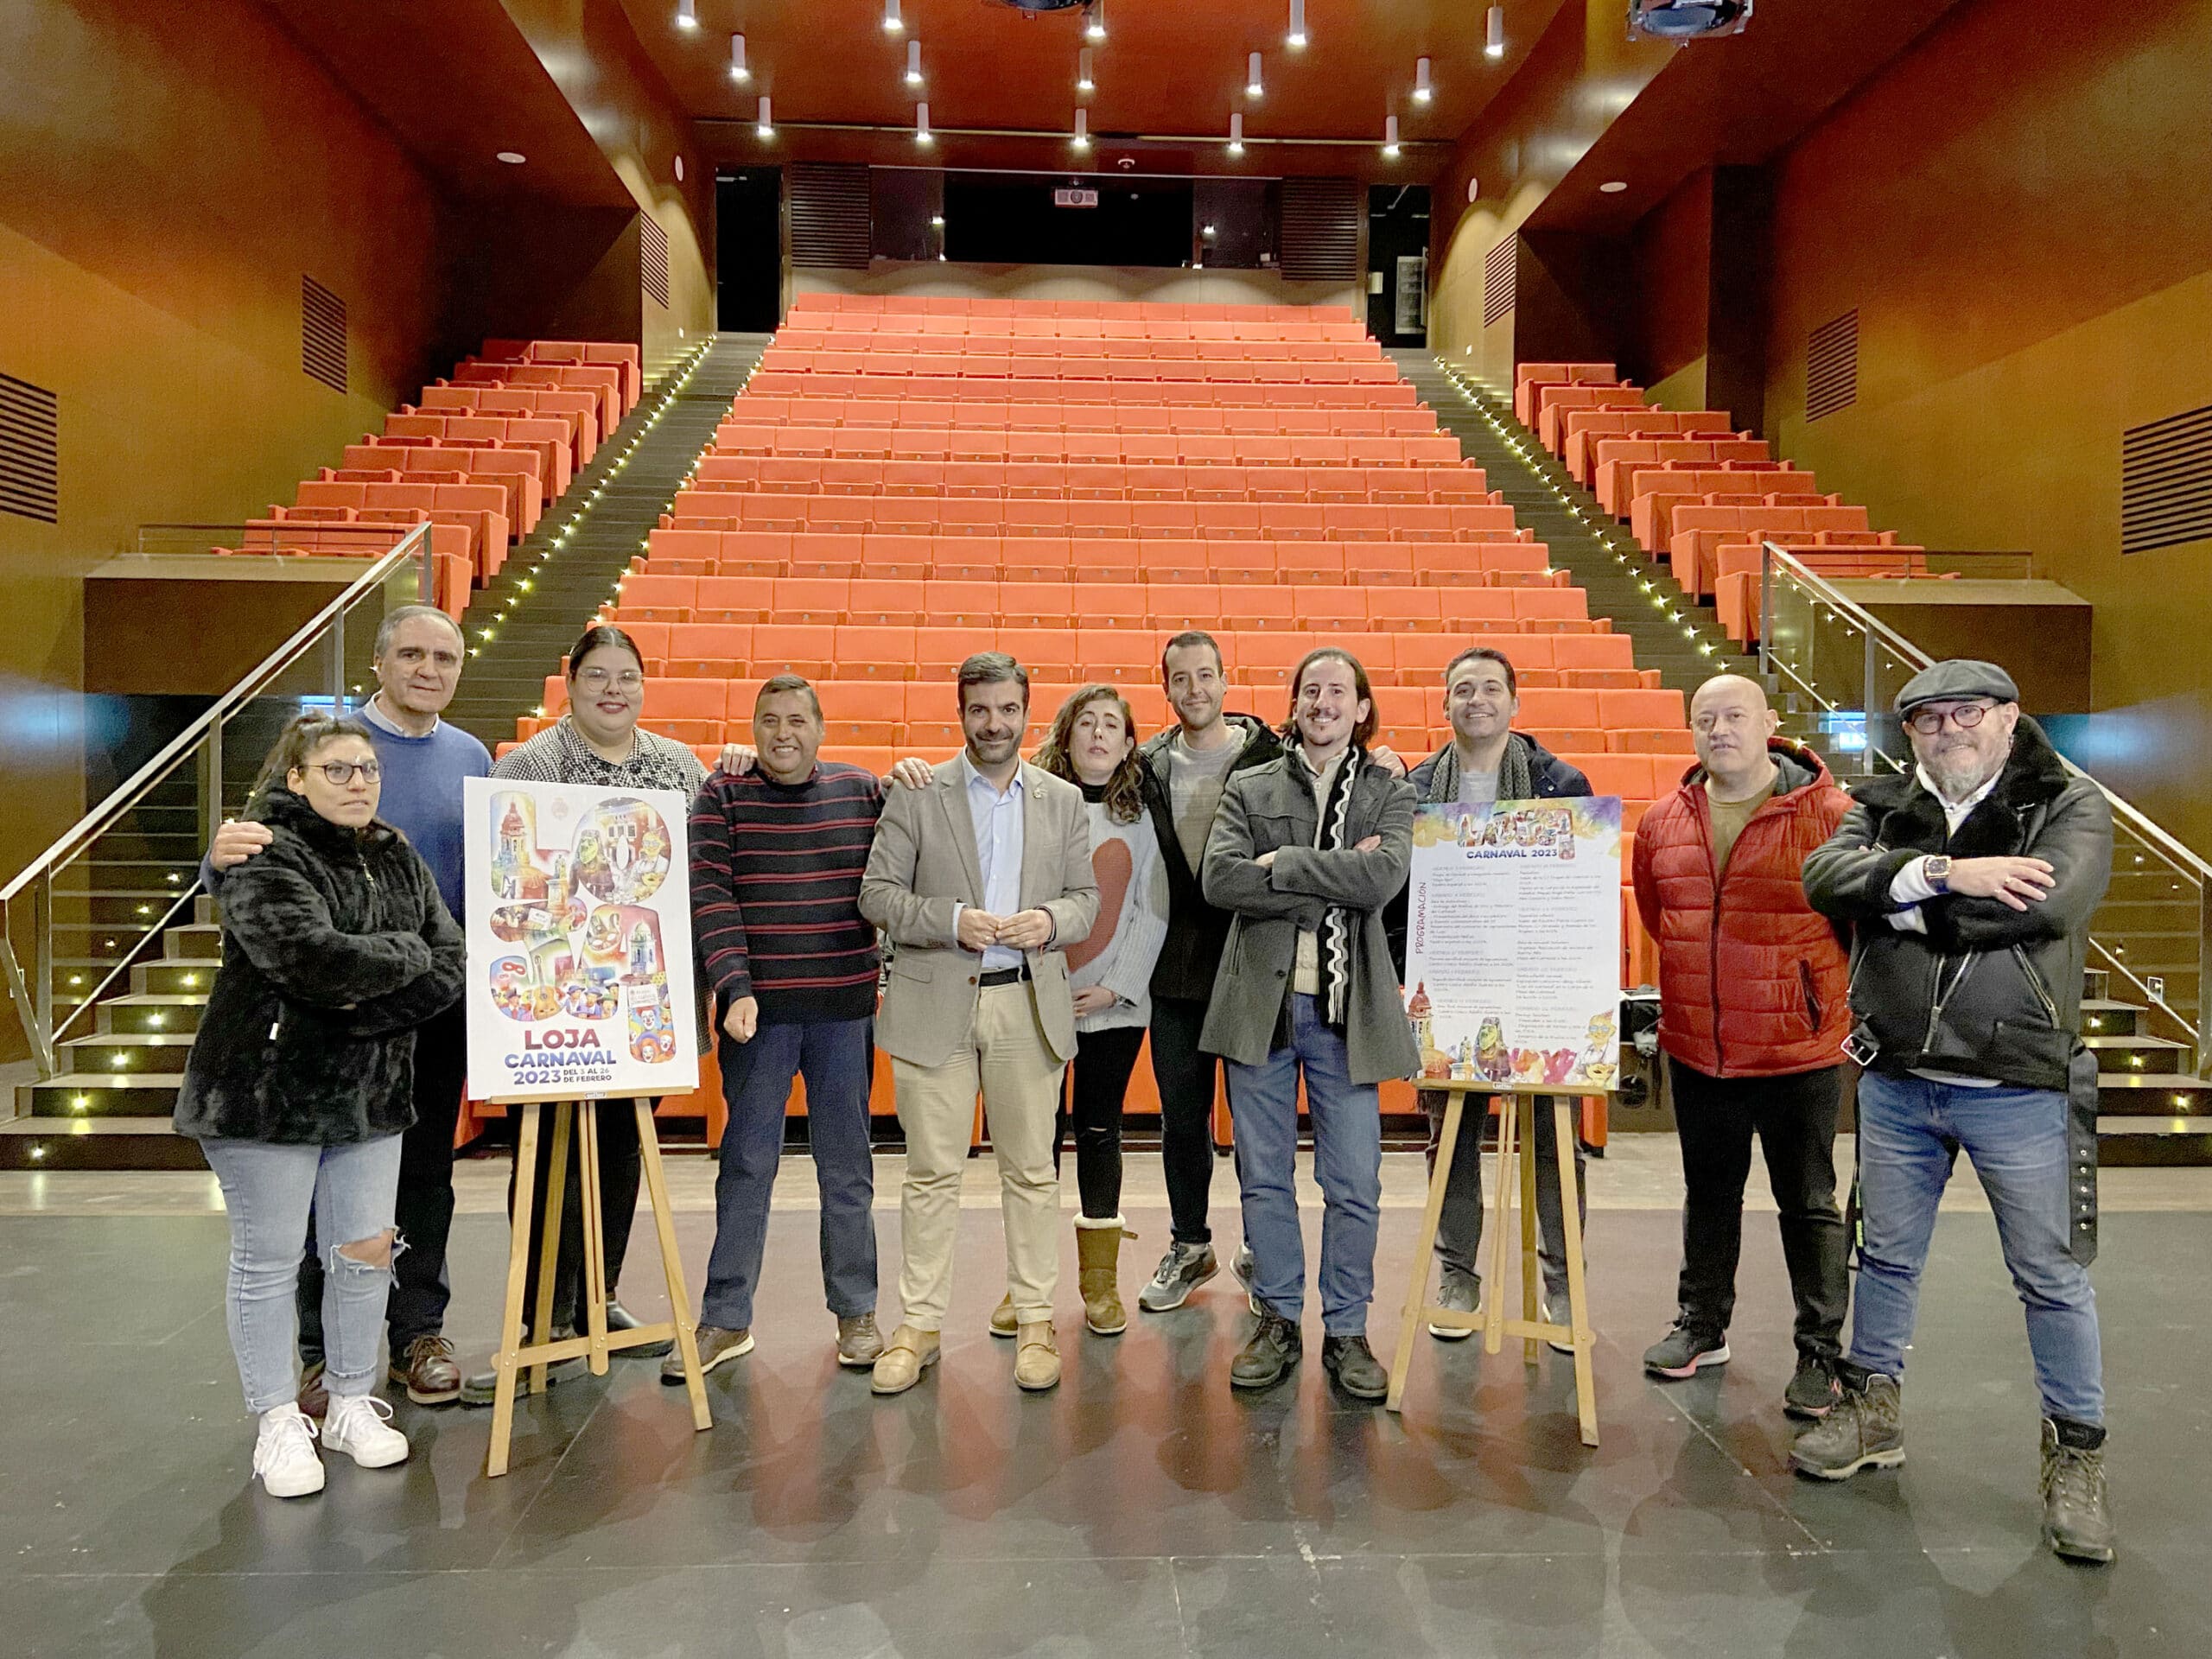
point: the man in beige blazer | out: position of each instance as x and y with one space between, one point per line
980 881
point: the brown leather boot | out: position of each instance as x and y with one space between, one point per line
427 1371
1098 1258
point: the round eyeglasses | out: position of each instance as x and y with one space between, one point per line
1965 717
341 771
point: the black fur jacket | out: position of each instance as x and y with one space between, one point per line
335 947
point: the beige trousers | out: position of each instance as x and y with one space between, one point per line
1007 1058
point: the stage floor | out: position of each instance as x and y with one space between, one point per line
1143 1509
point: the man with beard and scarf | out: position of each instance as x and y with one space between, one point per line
1969 884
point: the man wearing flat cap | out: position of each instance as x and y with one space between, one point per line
1968 884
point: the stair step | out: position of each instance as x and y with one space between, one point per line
96 1143
2102 1017
2147 1143
2181 1092
2138 1052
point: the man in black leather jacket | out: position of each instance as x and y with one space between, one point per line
1970 884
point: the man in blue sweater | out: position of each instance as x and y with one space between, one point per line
419 652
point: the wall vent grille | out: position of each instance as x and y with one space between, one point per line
830 215
1500 267
2165 482
322 334
30 450
1321 231
1831 366
652 258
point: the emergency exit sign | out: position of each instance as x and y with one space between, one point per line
1067 197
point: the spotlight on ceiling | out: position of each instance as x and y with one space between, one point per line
1094 27
914 63
921 123
765 127
937 221
738 72
1688 20
1082 135
1613 186
512 157
1390 135
1083 82
1296 39
1235 133
1422 91
892 22
1494 33
687 14
1254 87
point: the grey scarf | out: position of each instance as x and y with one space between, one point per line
1516 777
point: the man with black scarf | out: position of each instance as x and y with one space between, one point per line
1970 883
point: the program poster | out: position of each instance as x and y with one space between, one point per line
579 902
1513 943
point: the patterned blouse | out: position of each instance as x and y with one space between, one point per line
558 755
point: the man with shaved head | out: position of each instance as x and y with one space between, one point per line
1752 1015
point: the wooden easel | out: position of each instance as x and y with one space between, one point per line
579 1121
1514 1146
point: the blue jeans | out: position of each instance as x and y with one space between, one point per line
1909 1130
1347 1162
270 1191
834 1058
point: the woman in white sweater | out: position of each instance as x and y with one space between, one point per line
1093 746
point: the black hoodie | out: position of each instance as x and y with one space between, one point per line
1197 932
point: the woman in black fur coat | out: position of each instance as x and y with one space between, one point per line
335 947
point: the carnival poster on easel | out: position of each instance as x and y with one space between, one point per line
579 925
1513 943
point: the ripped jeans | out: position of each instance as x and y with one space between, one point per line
270 1191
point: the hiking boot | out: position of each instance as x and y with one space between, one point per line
1036 1357
1459 1291
717 1345
1273 1349
1864 1429
1352 1362
2076 1523
283 1454
620 1318
359 1424
313 1398
1182 1271
1686 1351
1812 1392
860 1344
1240 1265
425 1368
1098 1264
1003 1322
904 1358
480 1388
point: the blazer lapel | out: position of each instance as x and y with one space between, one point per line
960 824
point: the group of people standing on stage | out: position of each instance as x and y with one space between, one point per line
1014 929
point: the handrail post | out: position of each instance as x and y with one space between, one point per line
210 783
43 966
2204 1065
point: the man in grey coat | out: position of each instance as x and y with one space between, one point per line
1305 854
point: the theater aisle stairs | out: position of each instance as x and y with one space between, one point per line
555 583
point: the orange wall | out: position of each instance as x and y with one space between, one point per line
2023 224
167 175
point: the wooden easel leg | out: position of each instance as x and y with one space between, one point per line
1527 1172
548 1240
1509 1123
1424 1247
592 1292
1578 1295
679 1299
503 1362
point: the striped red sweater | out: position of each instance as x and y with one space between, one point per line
775 891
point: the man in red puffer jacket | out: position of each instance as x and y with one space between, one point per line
1753 1001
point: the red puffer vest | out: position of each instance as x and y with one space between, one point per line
1753 982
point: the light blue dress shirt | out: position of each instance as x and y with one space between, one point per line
997 819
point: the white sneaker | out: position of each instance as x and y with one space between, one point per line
284 1455
360 1426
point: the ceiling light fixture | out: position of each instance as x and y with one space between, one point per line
1235 133
512 157
766 126
914 63
1296 39
1613 186
1494 39
1253 85
892 22
937 221
1094 27
1421 88
687 14
921 123
1082 139
738 72
1390 135
1083 82
1474 191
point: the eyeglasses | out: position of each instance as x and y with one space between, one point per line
341 771
1965 717
598 679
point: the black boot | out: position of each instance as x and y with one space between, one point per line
1273 1349
2077 1522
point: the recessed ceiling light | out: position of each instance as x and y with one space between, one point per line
937 221
1474 191
512 157
679 170
1613 186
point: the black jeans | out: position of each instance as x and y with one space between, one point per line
1184 1075
620 1169
1459 1229
1097 1085
1794 1118
422 1211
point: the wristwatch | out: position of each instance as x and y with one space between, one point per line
1935 870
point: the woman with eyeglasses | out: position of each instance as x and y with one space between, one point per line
300 1084
596 741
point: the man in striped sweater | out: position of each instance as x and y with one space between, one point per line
777 856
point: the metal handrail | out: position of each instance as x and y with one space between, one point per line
32 992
